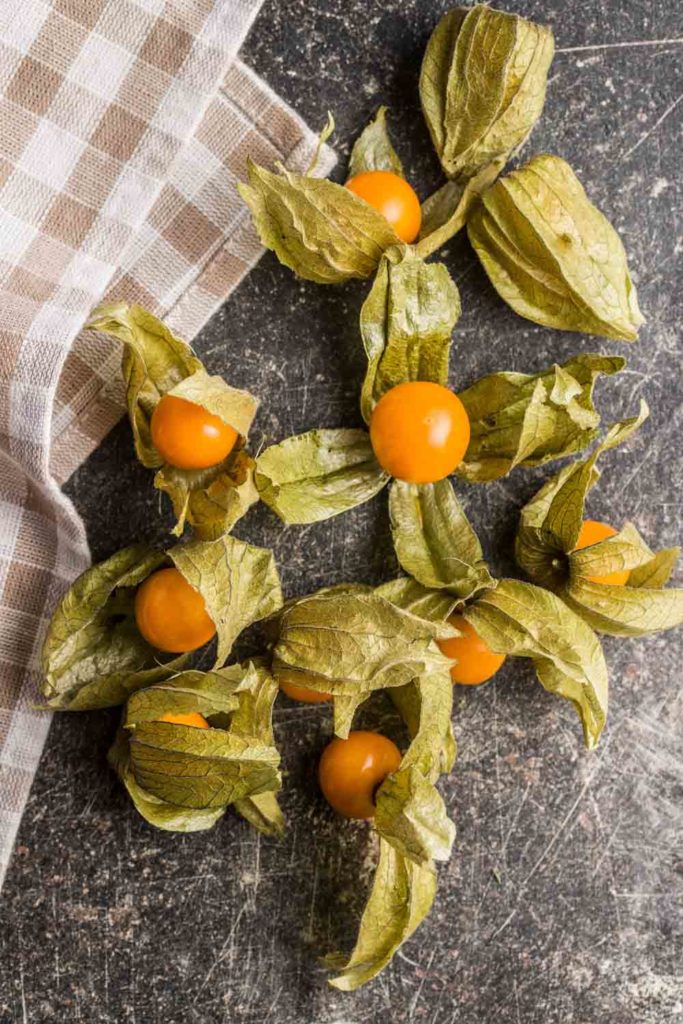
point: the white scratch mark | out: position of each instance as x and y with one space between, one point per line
314 893
640 895
643 138
519 1017
274 1003
24 1014
607 847
553 841
416 997
619 46
221 956
563 824
515 819
413 963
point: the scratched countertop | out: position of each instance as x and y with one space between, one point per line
562 901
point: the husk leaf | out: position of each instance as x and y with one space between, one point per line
156 363
254 717
319 229
518 419
210 500
545 548
414 829
350 643
406 324
406 593
401 897
206 768
552 255
313 476
238 581
434 541
447 210
155 811
526 621
93 655
482 86
373 151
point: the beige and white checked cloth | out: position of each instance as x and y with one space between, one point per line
124 126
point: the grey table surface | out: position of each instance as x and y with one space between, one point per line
561 904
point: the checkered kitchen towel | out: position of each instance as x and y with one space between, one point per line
124 126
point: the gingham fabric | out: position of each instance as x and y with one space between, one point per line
124 126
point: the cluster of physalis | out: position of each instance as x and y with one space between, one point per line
192 742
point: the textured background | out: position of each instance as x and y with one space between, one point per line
561 904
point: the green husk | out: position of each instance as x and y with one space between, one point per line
411 815
657 572
401 897
319 229
93 655
447 210
208 693
482 86
425 705
518 419
238 581
373 151
551 254
156 363
406 593
155 811
200 768
434 541
210 500
413 828
526 621
350 642
545 548
327 131
313 476
406 324
263 812
511 617
345 708
254 717
552 519
236 408
182 778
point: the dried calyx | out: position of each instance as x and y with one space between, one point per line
617 585
94 655
482 86
157 366
182 778
552 255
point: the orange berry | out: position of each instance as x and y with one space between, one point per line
351 770
301 693
171 614
393 197
592 532
419 432
476 662
191 718
188 436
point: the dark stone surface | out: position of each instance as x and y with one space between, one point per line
560 904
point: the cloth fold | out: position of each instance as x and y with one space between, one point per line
124 127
